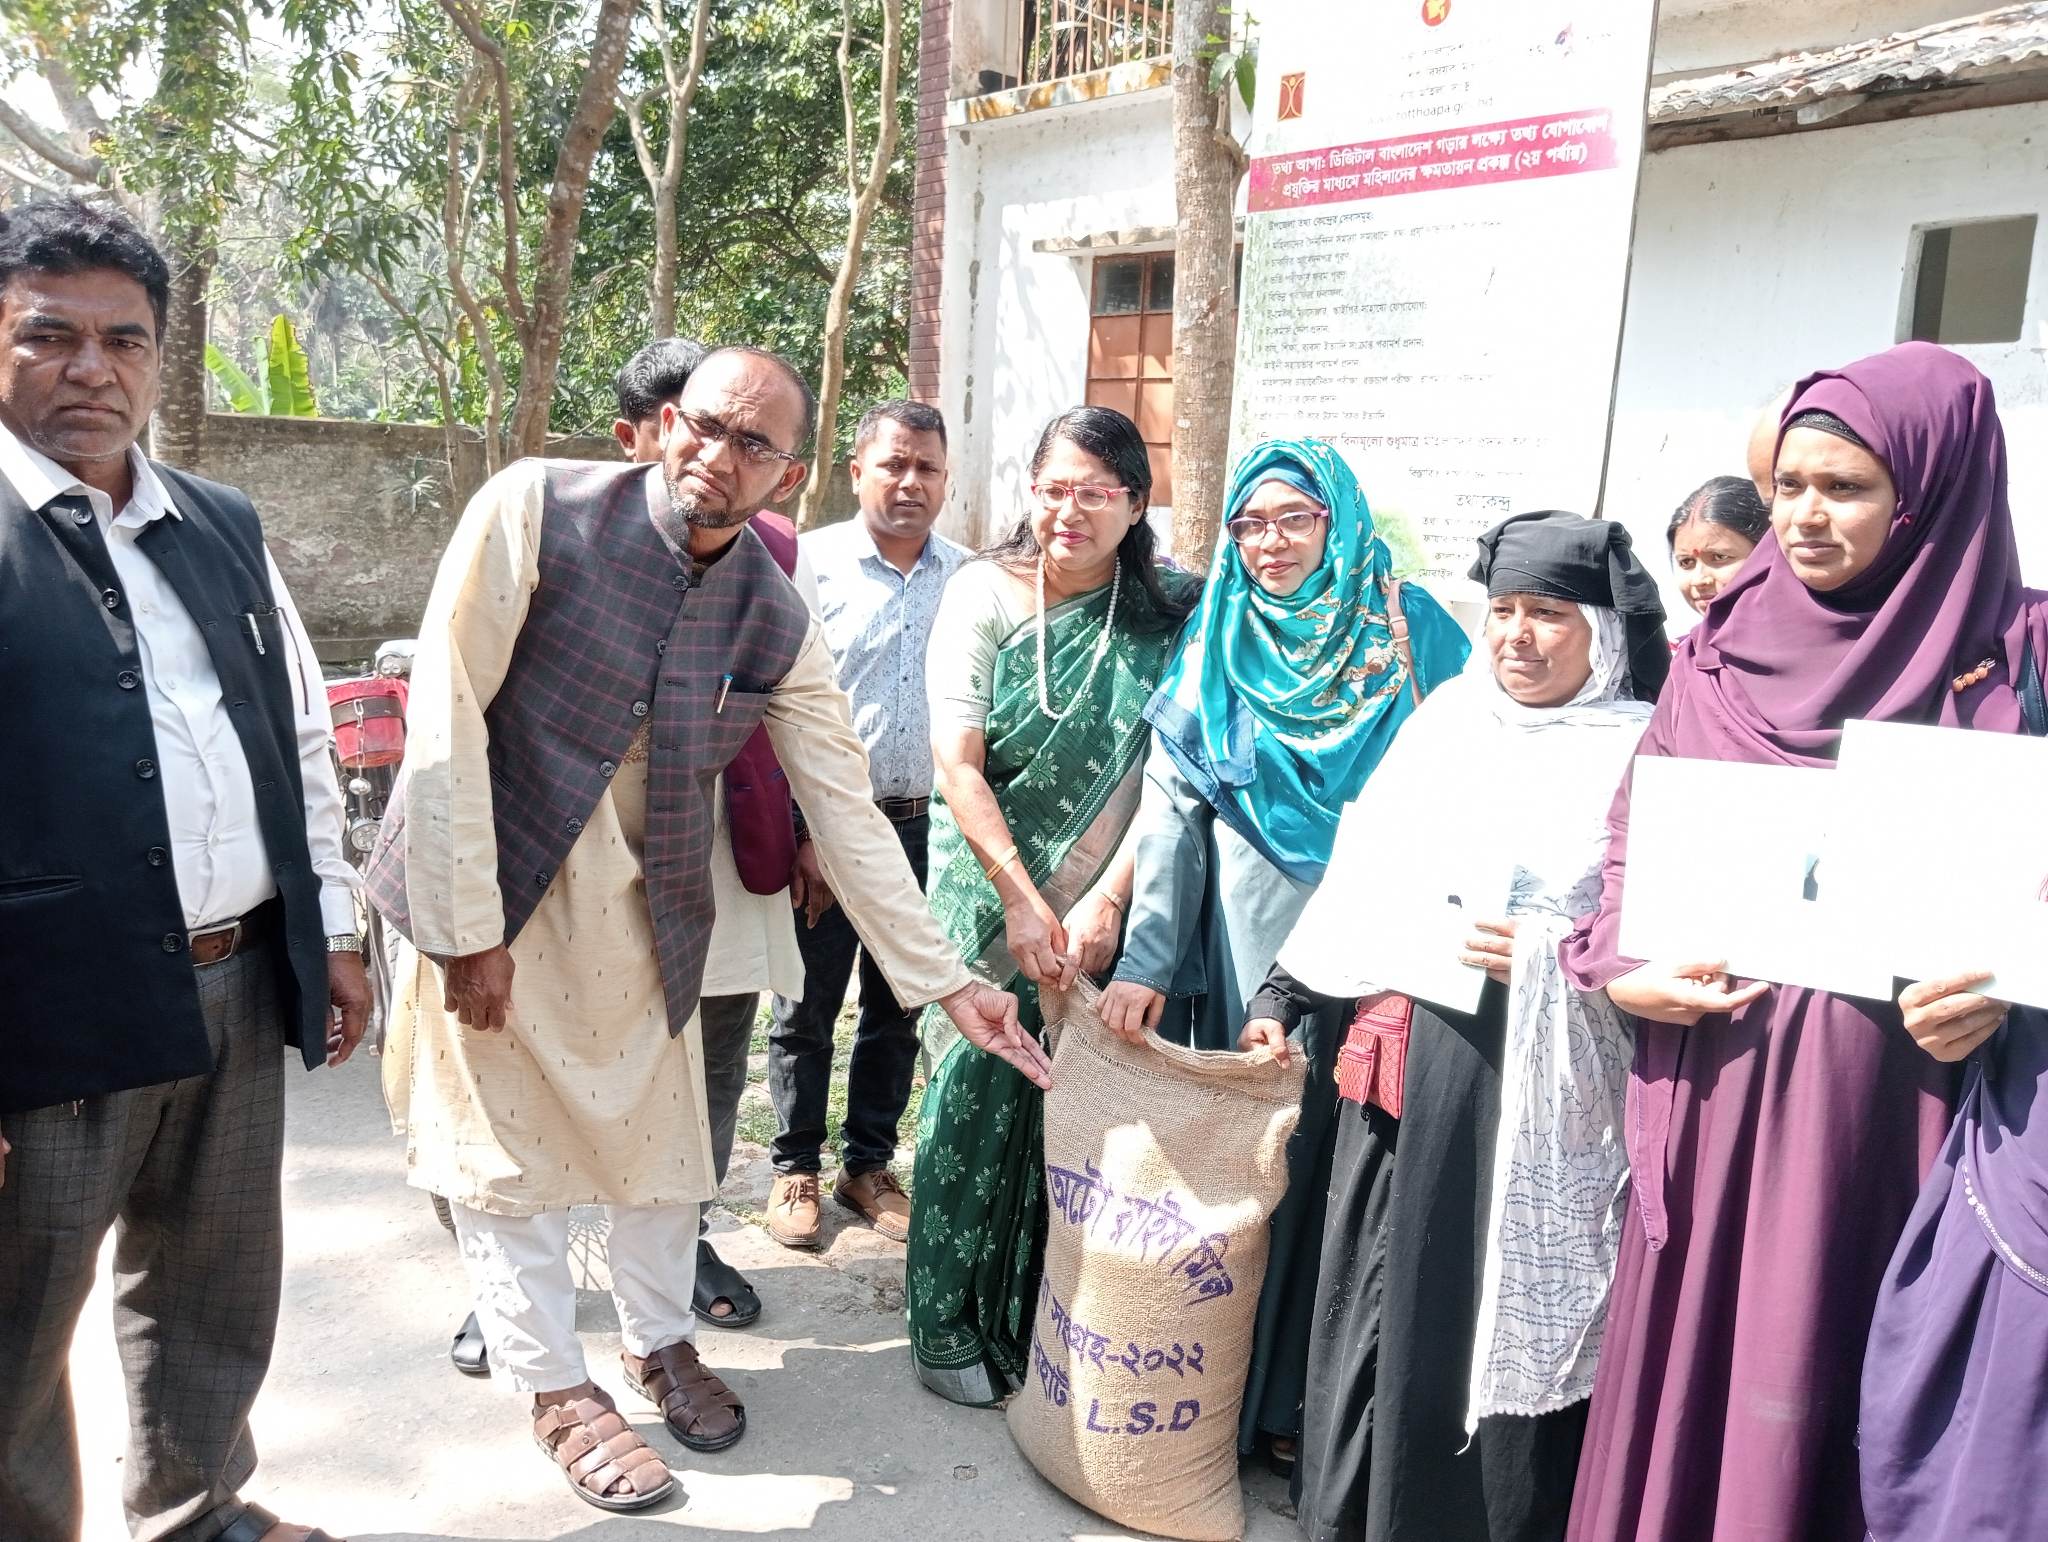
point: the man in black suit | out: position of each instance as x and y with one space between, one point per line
175 905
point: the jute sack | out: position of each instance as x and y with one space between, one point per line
1162 1166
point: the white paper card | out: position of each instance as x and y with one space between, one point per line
1955 866
1736 861
1410 934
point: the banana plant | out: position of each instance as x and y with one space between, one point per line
283 387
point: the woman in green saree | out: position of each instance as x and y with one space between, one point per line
1042 658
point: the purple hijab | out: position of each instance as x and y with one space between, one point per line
1954 1402
1777 1152
1782 667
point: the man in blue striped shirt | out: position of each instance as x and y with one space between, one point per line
879 579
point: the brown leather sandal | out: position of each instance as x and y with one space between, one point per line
603 1457
700 1410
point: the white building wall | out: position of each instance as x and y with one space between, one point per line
1759 260
1015 322
1695 35
1755 262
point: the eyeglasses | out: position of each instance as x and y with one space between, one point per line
1086 495
1249 529
751 448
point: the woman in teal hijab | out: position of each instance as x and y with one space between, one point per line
1290 685
1293 676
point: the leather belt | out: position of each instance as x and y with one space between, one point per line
897 810
218 944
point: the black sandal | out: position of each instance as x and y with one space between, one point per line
255 1523
719 1281
469 1353
1278 1462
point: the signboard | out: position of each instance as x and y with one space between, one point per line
1440 205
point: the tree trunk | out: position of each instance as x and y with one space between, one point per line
661 308
180 436
554 267
455 194
863 197
196 96
665 177
1204 291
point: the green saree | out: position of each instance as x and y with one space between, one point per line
1068 791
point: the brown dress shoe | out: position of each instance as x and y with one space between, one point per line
793 1210
879 1197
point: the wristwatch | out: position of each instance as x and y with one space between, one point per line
345 942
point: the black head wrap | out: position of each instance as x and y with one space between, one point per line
1827 423
1590 561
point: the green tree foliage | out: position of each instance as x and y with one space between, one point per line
764 212
315 174
174 147
283 387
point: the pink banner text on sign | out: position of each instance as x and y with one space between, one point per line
1554 145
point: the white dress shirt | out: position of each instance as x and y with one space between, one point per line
217 848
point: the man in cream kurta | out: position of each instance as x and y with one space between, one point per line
586 1096
753 945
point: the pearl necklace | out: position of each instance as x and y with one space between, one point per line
1101 643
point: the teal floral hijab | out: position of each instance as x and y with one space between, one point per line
1279 708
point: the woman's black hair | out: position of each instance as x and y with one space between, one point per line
1164 597
1732 502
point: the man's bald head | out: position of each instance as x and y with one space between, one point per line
760 374
1763 446
730 446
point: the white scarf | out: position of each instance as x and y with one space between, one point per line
1540 780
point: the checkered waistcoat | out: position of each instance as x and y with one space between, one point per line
616 634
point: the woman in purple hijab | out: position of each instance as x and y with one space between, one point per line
1778 1136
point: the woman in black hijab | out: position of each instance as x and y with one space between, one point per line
1591 562
1474 1205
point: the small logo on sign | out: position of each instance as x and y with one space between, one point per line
1435 12
1291 87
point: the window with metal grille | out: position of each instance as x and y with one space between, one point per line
1060 38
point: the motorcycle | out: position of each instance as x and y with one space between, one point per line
368 714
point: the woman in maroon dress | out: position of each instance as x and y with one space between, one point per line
1778 1136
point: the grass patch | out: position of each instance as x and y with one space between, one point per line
756 1121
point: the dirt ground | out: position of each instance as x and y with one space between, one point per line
365 1429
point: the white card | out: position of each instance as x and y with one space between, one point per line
1410 931
1740 862
1952 851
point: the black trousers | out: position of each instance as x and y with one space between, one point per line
800 1044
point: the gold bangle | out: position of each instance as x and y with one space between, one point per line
999 864
1121 909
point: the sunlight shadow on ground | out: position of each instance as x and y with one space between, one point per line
754 1504
364 1429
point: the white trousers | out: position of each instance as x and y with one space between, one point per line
525 1295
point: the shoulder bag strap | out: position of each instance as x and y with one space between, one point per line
1397 623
